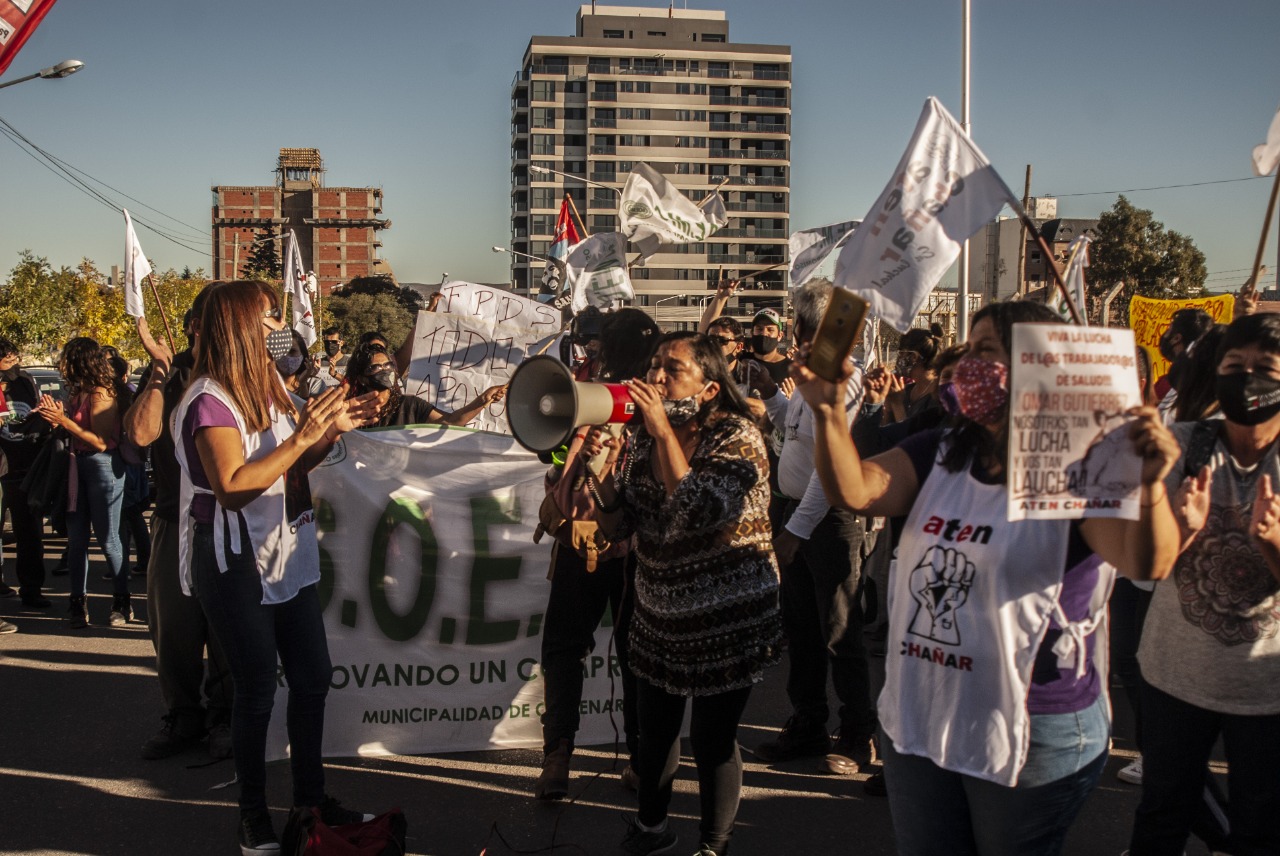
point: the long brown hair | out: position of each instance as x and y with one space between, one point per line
232 350
84 368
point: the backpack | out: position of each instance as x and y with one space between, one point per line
305 834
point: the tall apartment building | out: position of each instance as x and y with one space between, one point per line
337 227
665 87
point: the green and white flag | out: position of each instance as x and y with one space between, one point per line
653 213
596 273
809 248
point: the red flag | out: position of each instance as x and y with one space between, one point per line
18 20
567 233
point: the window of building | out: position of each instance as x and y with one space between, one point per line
598 65
692 142
543 117
713 37
691 115
577 113
635 113
642 86
544 144
613 34
699 88
542 224
575 140
635 140
659 33
717 69
543 197
539 248
683 89
686 168
543 90
576 86
544 165
604 223
575 166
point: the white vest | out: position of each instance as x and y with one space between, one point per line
283 539
970 601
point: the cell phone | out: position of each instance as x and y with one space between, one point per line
837 334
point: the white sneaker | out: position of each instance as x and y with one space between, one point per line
1132 773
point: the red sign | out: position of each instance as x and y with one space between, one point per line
18 20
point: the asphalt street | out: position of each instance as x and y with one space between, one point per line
76 707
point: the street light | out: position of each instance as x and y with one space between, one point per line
63 69
517 253
672 297
545 170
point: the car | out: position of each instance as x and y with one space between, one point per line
49 380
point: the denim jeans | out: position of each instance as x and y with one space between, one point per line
574 609
713 737
823 622
100 490
1178 738
940 813
252 634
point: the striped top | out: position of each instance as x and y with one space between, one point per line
706 614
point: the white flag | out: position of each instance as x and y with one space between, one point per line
295 283
1267 155
811 247
943 191
136 268
596 273
1073 276
653 212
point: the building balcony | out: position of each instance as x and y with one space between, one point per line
602 96
756 206
748 127
747 154
604 150
604 123
604 176
751 233
744 260
746 101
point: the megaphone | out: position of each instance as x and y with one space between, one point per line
545 404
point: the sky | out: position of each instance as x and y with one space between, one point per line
413 96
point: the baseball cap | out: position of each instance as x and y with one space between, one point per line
768 316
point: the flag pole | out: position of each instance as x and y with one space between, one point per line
576 215
1266 227
1047 251
766 270
167 332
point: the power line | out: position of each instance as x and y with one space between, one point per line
1161 187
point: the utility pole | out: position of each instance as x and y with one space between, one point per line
1022 238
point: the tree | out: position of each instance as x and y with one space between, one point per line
384 285
1134 248
35 305
362 312
263 262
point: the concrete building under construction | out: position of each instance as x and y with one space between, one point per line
337 227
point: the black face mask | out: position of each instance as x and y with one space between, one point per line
279 343
1248 399
332 347
383 379
761 345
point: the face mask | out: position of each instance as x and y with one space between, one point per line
332 347
947 397
279 343
10 374
762 345
289 364
982 389
382 379
680 410
907 360
1247 398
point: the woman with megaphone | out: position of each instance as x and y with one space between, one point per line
694 489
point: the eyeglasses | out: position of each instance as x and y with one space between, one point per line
273 314
723 340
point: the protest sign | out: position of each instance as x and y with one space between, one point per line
1069 450
18 20
1149 318
434 596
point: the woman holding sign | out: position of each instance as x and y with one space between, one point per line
372 371
995 715
1210 650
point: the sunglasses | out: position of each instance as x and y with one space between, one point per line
273 314
723 340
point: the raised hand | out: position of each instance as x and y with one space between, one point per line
1154 443
51 410
648 400
320 413
161 356
727 288
878 382
359 411
494 393
818 392
1191 503
1264 523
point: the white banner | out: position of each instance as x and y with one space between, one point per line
136 269
474 340
1073 276
943 191
296 283
596 272
434 595
1267 155
653 212
809 248
1070 455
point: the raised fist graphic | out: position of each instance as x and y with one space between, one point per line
940 585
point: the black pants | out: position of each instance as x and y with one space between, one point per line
1177 740
574 610
28 538
133 531
713 736
823 622
1129 605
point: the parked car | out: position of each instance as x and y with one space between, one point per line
49 379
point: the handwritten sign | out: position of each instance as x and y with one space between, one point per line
1149 319
475 340
1069 450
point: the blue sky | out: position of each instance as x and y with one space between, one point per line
175 97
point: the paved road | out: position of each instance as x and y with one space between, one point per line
75 707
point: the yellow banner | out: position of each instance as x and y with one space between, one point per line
1149 318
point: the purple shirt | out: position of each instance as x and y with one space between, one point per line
1053 689
205 412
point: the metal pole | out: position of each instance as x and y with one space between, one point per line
1022 239
235 256
962 311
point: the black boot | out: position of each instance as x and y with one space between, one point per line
120 611
78 619
553 782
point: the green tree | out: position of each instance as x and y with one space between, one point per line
263 262
1134 248
362 312
383 285
35 306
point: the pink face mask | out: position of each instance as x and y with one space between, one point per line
981 389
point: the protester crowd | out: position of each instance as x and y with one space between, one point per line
753 512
